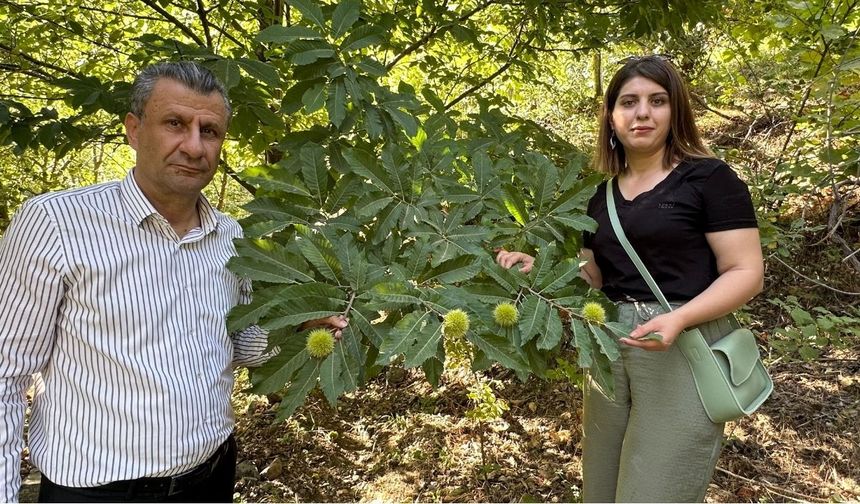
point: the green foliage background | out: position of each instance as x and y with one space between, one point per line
382 150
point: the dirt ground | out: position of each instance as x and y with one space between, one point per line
398 440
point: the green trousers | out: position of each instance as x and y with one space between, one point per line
654 442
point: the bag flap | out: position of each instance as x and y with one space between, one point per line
741 351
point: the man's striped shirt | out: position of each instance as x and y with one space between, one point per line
123 324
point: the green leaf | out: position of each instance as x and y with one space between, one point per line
456 270
314 98
310 10
500 350
426 344
371 204
245 315
330 381
577 222
551 336
312 55
403 336
336 103
608 346
533 317
268 261
561 276
543 265
227 72
277 210
582 341
345 15
513 200
302 384
283 34
433 369
315 171
544 176
277 371
318 251
601 372
263 72
361 37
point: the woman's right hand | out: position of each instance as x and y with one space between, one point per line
508 259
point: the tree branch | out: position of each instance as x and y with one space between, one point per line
31 59
204 21
488 79
436 31
179 24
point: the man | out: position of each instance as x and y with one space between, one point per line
116 294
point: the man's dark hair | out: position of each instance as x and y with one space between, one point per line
189 73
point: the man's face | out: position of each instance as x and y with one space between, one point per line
178 141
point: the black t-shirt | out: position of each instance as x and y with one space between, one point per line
667 227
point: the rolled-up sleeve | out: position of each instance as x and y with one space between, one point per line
31 290
249 345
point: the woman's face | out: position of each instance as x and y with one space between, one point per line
641 116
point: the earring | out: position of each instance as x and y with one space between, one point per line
612 142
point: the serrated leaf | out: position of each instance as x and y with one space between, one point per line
608 346
577 222
361 37
500 350
310 10
456 270
277 371
345 15
330 381
560 277
263 72
336 103
576 197
371 204
315 171
227 72
314 98
365 325
544 176
620 330
601 373
350 369
245 315
278 34
304 381
425 345
433 369
551 335
543 265
277 210
318 251
533 317
582 341
514 203
402 337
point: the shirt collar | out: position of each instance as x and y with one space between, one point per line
139 208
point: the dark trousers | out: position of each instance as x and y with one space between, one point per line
212 481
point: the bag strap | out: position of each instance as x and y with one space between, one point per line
631 252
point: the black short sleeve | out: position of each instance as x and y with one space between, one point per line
667 227
726 201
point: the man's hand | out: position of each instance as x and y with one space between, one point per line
336 323
508 259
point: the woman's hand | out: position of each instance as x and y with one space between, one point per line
667 325
508 259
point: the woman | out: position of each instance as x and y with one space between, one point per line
692 222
